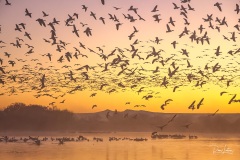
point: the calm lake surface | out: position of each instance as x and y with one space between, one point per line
206 147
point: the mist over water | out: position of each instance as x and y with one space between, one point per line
207 146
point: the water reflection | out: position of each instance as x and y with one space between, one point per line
107 153
125 154
187 156
161 153
123 150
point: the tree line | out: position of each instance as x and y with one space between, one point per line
19 116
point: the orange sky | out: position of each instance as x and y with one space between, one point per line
59 86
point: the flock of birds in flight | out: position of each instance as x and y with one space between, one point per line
123 69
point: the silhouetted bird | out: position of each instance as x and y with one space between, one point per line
214 113
94 106
218 5
103 2
7 3
27 13
187 125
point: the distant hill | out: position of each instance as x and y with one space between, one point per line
19 117
148 121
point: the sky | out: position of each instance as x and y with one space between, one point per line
206 77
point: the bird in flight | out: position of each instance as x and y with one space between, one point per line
161 127
171 120
237 8
75 30
84 8
45 14
43 81
94 106
7 3
218 5
165 104
214 113
223 93
192 106
187 125
155 9
27 13
103 2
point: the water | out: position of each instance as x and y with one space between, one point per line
161 149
